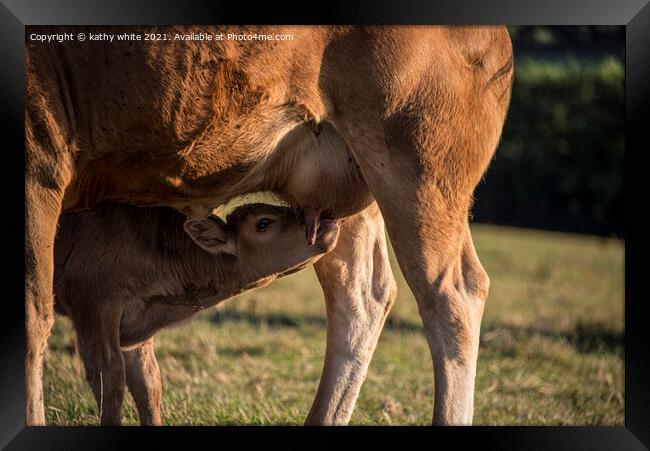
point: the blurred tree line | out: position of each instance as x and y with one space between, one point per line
559 165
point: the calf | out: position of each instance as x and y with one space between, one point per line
124 272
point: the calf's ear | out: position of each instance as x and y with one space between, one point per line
209 233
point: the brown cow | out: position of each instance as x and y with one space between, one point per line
124 272
407 116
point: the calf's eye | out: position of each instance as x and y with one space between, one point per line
263 224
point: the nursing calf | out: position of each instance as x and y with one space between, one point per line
124 272
332 121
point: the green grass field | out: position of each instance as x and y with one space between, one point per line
551 347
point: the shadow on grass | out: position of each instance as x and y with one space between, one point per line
240 351
584 337
282 320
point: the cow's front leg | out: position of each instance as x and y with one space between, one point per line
42 208
46 176
359 291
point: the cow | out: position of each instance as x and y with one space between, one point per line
333 120
122 273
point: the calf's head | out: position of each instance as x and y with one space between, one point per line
267 240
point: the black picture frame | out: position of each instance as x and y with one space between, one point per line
634 14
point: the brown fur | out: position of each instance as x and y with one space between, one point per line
407 116
124 272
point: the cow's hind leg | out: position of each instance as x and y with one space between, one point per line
430 236
359 291
143 380
423 129
424 194
452 321
425 203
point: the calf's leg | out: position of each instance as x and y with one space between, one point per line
359 291
99 346
143 380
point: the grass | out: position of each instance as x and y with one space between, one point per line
551 348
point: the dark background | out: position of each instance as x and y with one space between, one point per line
560 162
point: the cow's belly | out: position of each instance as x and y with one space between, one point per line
310 168
151 186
